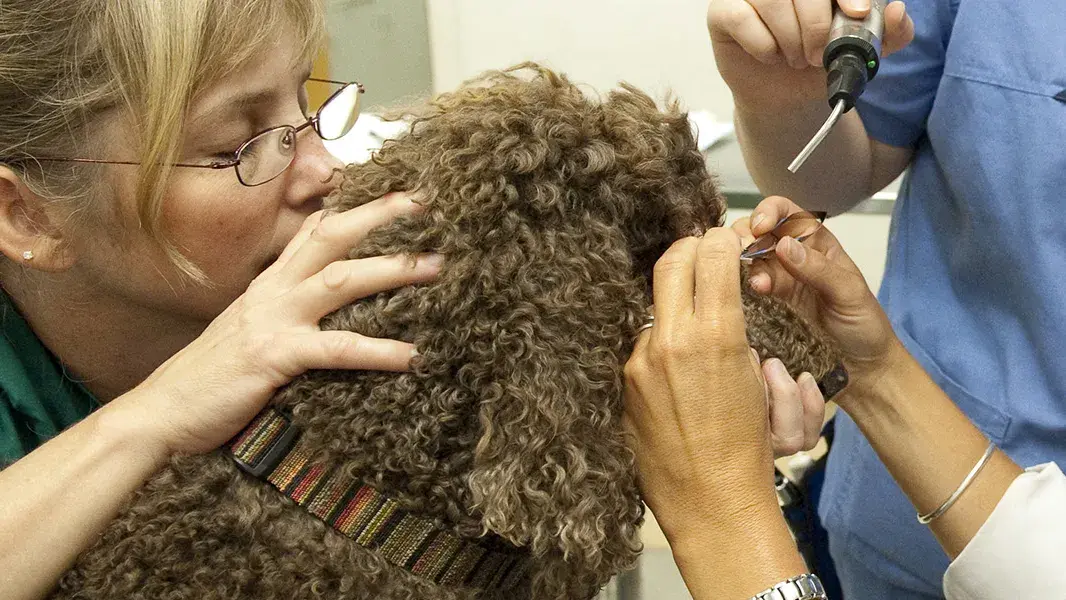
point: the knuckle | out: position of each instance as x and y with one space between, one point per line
816 33
724 329
771 7
809 443
635 369
720 242
336 275
400 202
674 257
729 16
790 444
329 229
340 347
675 347
666 266
248 318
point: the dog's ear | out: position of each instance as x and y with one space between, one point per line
552 471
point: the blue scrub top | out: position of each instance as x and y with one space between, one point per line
975 283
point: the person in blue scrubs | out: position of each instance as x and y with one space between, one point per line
971 100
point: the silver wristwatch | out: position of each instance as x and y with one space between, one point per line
804 587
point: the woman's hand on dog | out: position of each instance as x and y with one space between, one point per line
697 416
821 282
696 402
212 388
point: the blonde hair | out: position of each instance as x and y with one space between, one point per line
64 62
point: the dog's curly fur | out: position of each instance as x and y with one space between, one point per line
551 209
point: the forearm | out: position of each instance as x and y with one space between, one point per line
836 177
929 446
735 546
55 501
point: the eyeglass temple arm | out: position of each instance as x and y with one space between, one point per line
335 82
94 161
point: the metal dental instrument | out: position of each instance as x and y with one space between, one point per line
851 60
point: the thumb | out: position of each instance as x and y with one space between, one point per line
838 286
856 9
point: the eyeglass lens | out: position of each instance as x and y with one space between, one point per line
268 154
338 115
798 226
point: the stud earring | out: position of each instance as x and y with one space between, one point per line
27 255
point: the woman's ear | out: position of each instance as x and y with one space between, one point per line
27 235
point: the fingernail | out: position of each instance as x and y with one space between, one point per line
860 4
435 260
807 382
796 251
759 281
755 355
778 368
415 353
758 218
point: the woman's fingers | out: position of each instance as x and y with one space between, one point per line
717 286
308 226
673 282
797 409
344 281
742 227
786 409
296 353
813 410
779 17
899 28
769 213
739 22
839 287
814 18
336 234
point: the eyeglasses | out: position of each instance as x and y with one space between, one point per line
798 226
269 153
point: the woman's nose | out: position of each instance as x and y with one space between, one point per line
313 167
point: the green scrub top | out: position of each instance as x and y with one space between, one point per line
38 399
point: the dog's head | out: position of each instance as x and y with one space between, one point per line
551 209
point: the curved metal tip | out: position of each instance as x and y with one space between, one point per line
818 138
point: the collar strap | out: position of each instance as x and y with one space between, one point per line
269 449
833 382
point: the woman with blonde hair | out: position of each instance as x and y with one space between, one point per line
165 259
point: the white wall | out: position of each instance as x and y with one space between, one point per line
657 45
383 44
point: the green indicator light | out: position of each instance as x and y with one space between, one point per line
872 64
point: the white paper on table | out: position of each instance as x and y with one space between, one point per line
368 134
707 129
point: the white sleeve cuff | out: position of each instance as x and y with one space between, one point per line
1020 549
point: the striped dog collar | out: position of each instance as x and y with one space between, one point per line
269 449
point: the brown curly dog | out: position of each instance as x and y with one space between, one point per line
551 209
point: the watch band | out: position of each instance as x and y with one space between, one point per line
803 587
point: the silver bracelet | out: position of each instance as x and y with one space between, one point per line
803 587
943 508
